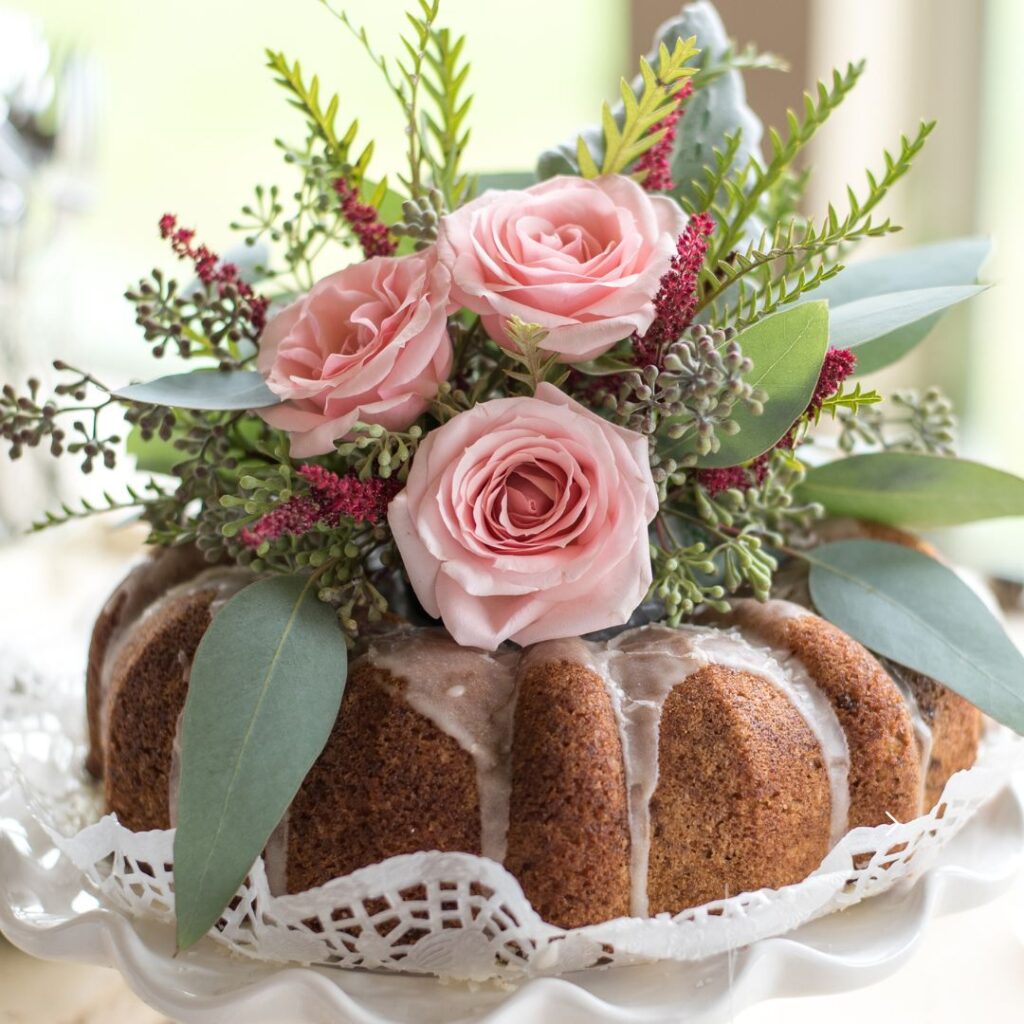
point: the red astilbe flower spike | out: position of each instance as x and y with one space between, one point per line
839 364
714 481
676 300
295 517
210 270
331 498
365 501
657 160
364 220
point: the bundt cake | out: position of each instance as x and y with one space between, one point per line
646 773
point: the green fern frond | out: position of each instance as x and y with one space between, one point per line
625 144
782 262
749 58
850 402
716 174
745 191
306 97
85 509
444 85
406 84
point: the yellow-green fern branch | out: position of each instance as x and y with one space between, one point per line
625 144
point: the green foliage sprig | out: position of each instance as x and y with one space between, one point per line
736 58
321 120
729 537
527 352
625 144
690 399
445 84
135 498
914 422
420 218
849 401
211 321
746 188
379 452
406 84
798 255
28 420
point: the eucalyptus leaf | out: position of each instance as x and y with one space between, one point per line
952 264
910 608
883 328
787 350
913 489
265 688
204 389
716 109
941 265
505 180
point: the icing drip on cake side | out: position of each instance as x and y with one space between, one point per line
757 622
638 679
641 667
469 695
922 730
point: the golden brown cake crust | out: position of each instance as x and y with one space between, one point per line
388 782
885 772
163 570
743 799
102 634
568 839
956 730
149 685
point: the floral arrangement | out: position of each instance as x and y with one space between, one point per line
529 406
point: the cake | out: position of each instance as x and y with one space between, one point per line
638 775
507 489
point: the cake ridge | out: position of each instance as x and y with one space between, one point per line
435 683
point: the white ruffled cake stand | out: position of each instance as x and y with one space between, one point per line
45 911
49 908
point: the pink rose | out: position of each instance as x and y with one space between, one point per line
526 519
368 343
581 258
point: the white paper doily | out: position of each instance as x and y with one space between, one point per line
61 899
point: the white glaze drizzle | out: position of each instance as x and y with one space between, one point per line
922 730
638 676
469 695
758 618
225 581
640 667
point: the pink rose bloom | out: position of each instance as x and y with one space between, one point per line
369 343
526 519
581 258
